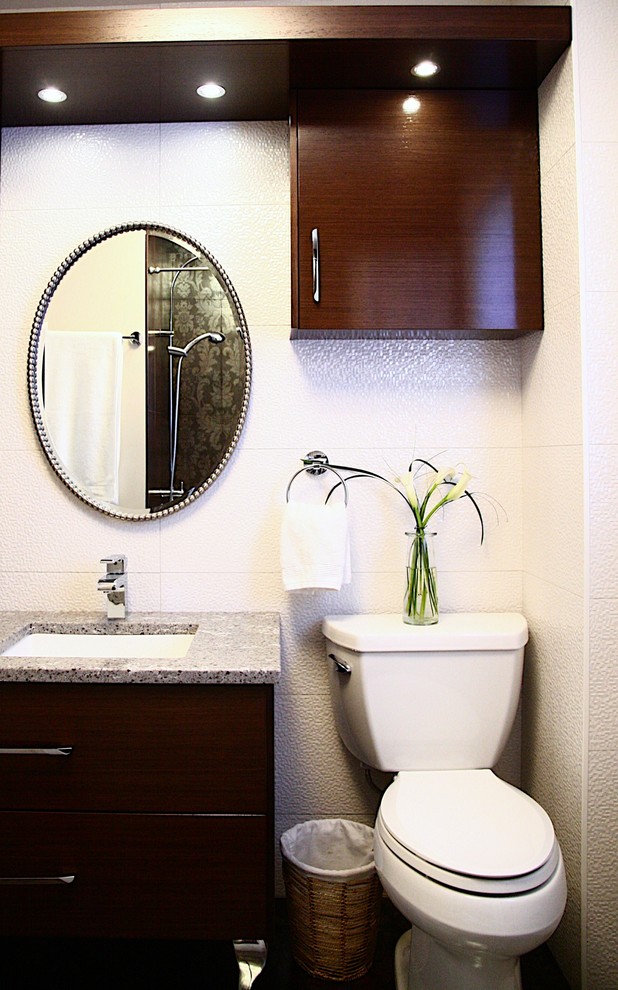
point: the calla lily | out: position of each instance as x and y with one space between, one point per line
434 492
407 480
441 475
459 488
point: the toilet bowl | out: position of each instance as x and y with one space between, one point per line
471 861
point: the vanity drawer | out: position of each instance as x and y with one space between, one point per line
136 876
137 747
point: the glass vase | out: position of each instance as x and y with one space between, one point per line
420 604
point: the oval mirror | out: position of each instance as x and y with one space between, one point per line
139 370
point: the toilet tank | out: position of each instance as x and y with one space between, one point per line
441 697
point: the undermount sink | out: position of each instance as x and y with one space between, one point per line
154 646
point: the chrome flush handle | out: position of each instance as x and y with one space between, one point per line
341 665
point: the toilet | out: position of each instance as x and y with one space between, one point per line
468 859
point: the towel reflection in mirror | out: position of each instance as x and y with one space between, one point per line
83 391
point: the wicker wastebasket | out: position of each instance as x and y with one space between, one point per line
333 897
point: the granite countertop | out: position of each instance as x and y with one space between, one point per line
228 648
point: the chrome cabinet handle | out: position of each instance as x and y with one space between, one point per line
341 665
37 751
20 881
315 263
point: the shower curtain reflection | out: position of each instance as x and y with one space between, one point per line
193 388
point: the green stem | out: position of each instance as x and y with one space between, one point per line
421 600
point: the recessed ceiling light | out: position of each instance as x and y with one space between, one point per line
425 68
52 95
411 105
211 91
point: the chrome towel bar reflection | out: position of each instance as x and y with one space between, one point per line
154 270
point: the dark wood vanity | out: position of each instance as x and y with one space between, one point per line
136 793
426 226
162 813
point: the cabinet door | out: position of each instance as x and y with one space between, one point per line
136 747
134 876
427 222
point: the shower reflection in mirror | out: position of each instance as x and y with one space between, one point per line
143 372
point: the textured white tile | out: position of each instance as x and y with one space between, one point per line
559 218
599 165
72 591
602 890
552 737
313 768
552 379
350 394
596 36
603 732
603 534
234 526
601 348
51 529
553 705
226 163
556 113
216 591
553 506
79 167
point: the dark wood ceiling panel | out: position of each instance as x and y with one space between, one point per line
124 66
110 84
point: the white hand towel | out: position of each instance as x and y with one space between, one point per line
315 548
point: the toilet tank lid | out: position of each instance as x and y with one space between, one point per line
387 633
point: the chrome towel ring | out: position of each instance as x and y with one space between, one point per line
318 469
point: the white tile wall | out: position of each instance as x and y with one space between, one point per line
376 403
596 33
573 693
553 512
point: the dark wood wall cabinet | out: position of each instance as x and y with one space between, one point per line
417 223
427 224
159 824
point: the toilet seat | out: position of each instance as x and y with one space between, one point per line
469 830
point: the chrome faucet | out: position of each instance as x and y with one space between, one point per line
114 584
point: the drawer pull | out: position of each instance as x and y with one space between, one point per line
315 263
21 881
37 751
